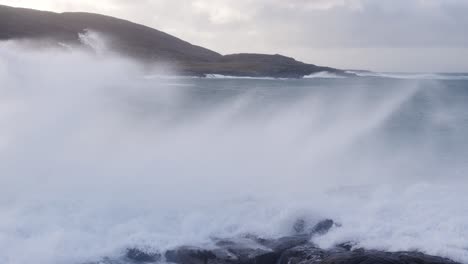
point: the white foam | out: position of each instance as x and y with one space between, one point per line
324 75
414 76
96 159
221 76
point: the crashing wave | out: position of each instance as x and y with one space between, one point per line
324 75
411 76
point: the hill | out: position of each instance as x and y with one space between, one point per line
147 44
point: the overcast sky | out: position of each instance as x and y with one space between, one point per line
382 35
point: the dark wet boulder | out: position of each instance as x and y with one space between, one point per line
311 254
233 254
140 256
110 261
132 256
362 256
295 249
346 245
304 253
190 255
283 243
246 250
416 257
322 227
254 255
301 226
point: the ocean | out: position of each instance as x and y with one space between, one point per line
97 156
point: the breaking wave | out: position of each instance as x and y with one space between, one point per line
95 158
413 76
325 75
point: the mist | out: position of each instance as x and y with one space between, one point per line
99 153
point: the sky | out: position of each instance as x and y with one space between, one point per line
380 35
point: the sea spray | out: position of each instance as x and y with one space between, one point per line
96 158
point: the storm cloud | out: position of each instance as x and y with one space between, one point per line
385 35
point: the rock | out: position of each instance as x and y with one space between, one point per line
416 257
139 256
246 250
322 227
234 252
295 249
346 245
283 243
254 255
379 257
190 255
108 261
308 252
299 226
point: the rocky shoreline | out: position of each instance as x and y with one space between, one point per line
294 249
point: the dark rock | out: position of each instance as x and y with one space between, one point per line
346 245
190 255
246 250
299 254
322 227
229 253
299 226
281 244
140 256
254 255
379 257
296 249
308 253
224 255
108 261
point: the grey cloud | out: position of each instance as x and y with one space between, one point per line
301 27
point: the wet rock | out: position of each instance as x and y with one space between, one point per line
254 255
139 256
295 249
416 257
322 227
232 252
249 249
379 257
108 261
299 226
346 245
296 255
281 244
190 255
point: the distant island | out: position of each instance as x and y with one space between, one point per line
148 45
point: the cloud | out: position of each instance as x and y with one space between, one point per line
298 27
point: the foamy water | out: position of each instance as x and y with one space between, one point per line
96 158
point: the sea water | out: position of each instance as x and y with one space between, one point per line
97 155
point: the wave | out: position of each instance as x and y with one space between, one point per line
221 76
320 75
324 75
416 76
97 159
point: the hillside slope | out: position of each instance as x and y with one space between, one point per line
146 44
